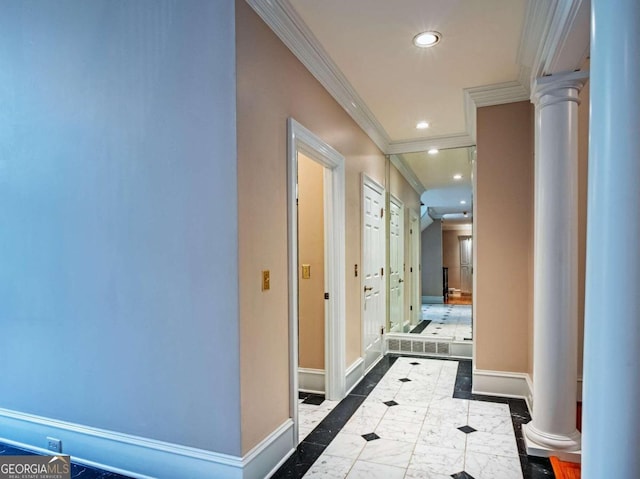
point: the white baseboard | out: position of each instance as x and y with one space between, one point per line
459 349
143 458
265 458
505 384
354 374
311 380
433 300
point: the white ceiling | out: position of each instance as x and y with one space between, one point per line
370 41
362 52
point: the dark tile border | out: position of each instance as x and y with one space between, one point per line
310 449
421 326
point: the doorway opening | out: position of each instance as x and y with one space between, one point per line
322 260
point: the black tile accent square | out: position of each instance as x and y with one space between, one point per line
404 380
414 363
462 475
314 399
372 436
390 403
467 429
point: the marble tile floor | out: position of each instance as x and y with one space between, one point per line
312 409
447 321
417 418
77 471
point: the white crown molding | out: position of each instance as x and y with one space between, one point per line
282 18
555 37
406 171
489 95
546 43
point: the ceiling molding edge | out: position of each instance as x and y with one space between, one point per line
545 35
490 95
538 19
400 163
285 22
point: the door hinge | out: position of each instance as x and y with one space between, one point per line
381 271
411 269
410 308
326 295
381 329
381 212
410 231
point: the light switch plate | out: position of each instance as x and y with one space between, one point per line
306 271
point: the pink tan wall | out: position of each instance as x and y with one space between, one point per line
504 237
311 252
504 203
272 85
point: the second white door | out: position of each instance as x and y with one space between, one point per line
396 266
373 256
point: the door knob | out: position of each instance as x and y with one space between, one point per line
401 280
368 288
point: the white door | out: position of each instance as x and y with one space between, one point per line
396 266
466 263
373 256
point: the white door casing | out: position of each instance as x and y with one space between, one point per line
373 260
416 297
396 265
302 140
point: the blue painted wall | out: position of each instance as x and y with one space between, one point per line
118 217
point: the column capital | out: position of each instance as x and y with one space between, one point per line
557 88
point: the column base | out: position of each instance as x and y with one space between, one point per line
567 448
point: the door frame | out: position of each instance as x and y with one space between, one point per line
415 240
300 139
398 203
367 181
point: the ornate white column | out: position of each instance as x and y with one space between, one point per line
555 294
611 384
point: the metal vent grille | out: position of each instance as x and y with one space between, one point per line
418 347
443 348
429 347
405 345
394 344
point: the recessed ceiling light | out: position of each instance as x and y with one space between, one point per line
426 39
433 151
422 125
463 202
457 177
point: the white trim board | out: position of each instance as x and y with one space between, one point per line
311 380
143 458
300 139
354 374
504 384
